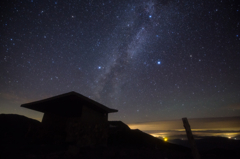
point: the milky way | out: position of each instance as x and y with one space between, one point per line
125 52
151 59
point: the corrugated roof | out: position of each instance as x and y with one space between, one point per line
68 103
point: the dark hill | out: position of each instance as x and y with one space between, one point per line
121 135
18 140
17 129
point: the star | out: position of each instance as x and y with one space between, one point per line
114 54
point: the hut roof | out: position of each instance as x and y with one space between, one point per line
67 104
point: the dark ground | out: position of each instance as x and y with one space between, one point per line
17 133
214 147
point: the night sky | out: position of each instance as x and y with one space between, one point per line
151 60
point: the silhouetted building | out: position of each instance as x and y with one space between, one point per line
73 118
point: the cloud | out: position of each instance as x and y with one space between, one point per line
195 123
221 126
13 97
19 98
235 106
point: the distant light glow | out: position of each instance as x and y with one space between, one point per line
99 67
165 139
158 62
150 16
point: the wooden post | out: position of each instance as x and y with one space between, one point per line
187 127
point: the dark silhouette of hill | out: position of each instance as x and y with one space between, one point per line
17 129
121 135
19 136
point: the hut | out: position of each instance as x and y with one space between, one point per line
73 118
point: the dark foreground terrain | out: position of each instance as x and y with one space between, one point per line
17 134
214 147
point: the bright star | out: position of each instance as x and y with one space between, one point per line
150 16
158 62
99 67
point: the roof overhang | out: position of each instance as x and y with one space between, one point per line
67 104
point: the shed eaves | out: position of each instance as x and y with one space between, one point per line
68 103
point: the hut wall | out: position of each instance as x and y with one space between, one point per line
92 116
82 134
54 128
89 129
